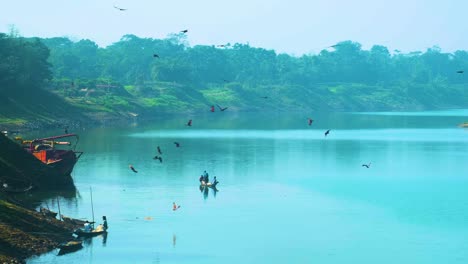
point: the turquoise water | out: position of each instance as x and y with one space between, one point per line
287 193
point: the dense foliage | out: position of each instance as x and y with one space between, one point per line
23 62
341 77
146 75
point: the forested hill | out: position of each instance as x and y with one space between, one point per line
143 75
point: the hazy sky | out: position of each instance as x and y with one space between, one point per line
291 26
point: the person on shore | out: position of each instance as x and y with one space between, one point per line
201 179
215 181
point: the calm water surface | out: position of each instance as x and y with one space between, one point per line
287 194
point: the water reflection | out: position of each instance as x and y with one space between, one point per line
205 191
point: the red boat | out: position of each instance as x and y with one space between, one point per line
53 153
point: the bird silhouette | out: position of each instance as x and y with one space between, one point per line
327 132
222 108
332 46
155 56
177 144
212 109
310 120
132 168
184 31
366 165
460 71
120 9
189 123
159 151
158 158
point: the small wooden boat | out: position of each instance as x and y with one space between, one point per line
72 221
47 212
209 184
13 190
70 246
81 232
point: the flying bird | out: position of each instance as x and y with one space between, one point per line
132 168
366 165
189 123
460 71
159 151
184 31
333 46
158 158
177 144
155 56
222 108
327 132
120 9
310 120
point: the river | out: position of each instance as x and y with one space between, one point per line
287 193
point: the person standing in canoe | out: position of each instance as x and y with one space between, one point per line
104 223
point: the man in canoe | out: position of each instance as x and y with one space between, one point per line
104 223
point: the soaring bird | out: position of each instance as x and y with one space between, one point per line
155 56
333 46
460 71
310 120
189 123
158 158
132 168
222 108
177 144
159 151
120 9
184 31
327 132
366 165
212 109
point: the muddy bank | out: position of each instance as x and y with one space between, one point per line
25 233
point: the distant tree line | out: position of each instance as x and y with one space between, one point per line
345 76
131 60
23 63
